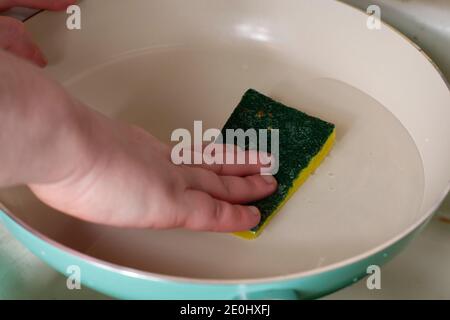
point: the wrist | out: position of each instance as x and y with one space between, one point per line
79 143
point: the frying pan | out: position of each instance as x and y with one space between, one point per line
163 64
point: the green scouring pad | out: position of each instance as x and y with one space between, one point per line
304 141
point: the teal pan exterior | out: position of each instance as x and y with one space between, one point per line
130 284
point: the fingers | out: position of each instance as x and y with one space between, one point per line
15 39
231 188
36 4
204 213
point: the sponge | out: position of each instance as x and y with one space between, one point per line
304 141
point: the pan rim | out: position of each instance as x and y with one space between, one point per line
146 275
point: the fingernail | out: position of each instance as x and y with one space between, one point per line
269 179
255 211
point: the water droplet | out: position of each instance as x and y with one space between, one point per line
43 253
427 140
385 255
355 279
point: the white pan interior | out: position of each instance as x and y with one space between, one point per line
163 64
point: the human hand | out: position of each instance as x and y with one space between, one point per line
128 180
13 35
104 171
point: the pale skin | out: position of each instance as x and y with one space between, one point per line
99 169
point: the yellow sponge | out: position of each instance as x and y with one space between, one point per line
304 141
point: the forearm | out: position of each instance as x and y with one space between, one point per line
44 132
